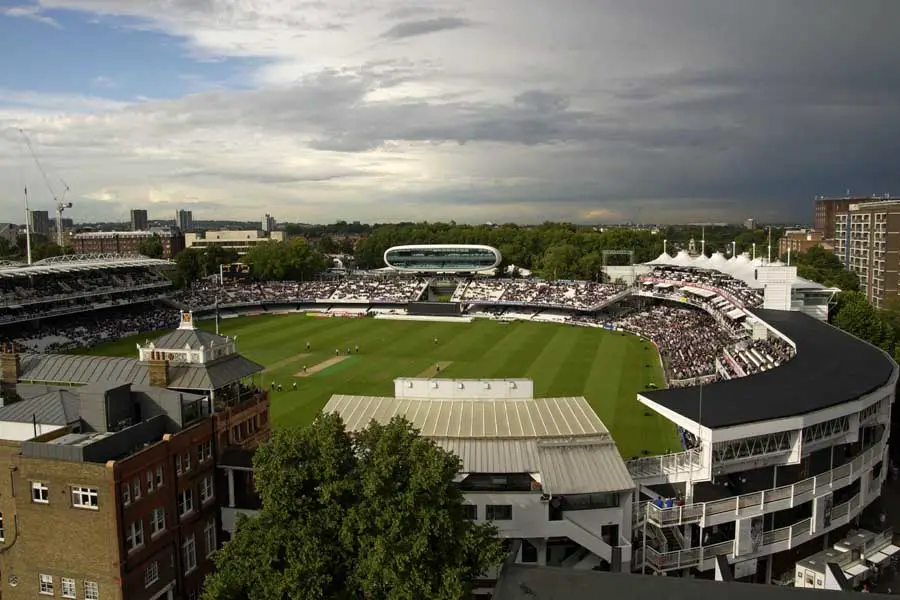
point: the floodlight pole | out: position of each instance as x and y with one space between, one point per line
27 227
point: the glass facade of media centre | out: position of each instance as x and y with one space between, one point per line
442 258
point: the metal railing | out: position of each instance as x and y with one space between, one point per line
693 513
793 535
666 464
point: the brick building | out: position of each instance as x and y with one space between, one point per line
825 211
117 493
800 240
867 240
126 242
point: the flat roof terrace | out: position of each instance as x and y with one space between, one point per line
831 367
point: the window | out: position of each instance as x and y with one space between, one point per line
91 590
40 494
186 461
150 487
151 575
192 595
470 511
157 521
498 512
206 489
159 476
190 554
204 451
178 469
185 502
83 497
68 587
46 584
209 533
136 488
2 529
126 494
134 536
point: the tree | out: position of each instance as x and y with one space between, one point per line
151 247
374 514
292 260
858 317
188 267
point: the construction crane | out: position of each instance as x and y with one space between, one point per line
61 204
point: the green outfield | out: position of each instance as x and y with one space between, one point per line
608 369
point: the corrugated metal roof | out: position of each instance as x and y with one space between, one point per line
68 368
561 439
531 418
577 468
494 456
58 407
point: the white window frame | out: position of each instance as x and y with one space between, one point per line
132 532
209 537
187 495
136 488
45 584
204 451
126 494
178 469
80 494
151 574
207 490
157 521
189 554
40 493
2 529
91 590
187 462
67 587
159 476
150 487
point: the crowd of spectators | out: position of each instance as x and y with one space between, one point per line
688 339
740 291
56 287
577 295
85 330
203 294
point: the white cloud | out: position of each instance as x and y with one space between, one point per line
33 13
576 109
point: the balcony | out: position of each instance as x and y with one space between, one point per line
773 541
766 501
668 467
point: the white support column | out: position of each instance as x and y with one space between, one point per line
231 501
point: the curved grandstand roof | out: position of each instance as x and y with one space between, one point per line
71 263
831 367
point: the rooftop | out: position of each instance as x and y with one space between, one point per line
74 263
70 368
561 439
526 582
831 367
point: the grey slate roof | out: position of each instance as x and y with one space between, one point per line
56 407
177 339
69 368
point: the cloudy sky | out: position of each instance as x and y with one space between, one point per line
473 110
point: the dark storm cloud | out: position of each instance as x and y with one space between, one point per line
417 28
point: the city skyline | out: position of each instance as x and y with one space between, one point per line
653 112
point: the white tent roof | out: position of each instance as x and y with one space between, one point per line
683 259
702 261
718 261
662 259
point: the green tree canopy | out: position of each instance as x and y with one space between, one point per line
819 265
151 247
291 260
374 514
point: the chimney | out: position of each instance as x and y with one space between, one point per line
10 366
158 370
